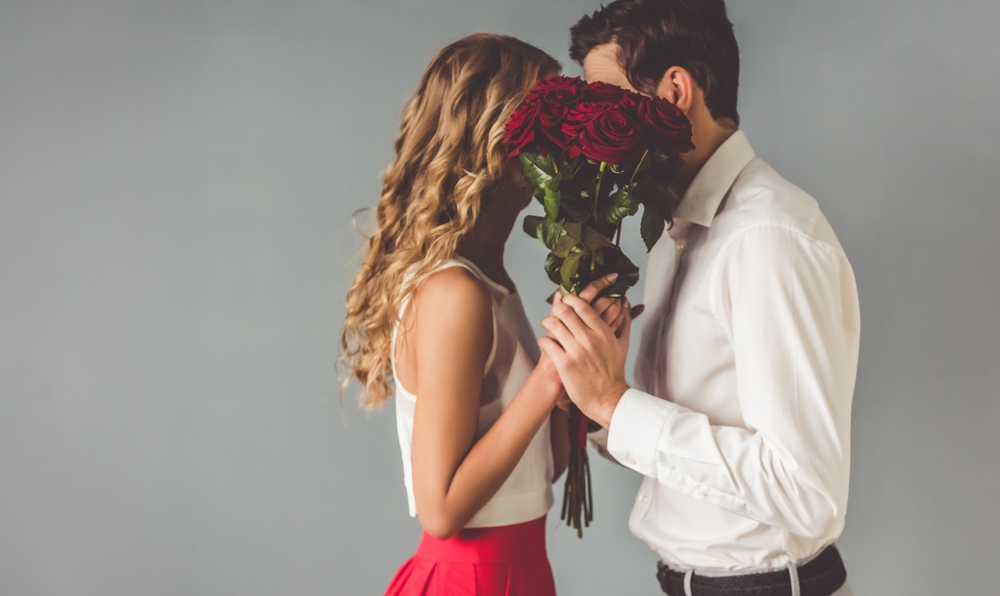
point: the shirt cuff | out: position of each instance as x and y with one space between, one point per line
599 441
635 429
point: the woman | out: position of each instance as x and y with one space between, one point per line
434 310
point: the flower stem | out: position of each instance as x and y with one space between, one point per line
597 191
638 165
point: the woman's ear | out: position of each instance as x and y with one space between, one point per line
678 87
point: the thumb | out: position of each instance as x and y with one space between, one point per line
637 310
597 286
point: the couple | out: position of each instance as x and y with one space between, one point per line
739 420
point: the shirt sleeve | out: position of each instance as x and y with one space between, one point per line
788 304
599 441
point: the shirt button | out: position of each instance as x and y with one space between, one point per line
630 459
702 493
643 498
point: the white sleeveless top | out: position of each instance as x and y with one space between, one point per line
527 492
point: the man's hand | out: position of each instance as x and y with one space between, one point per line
610 310
589 350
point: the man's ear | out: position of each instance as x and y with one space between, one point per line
678 87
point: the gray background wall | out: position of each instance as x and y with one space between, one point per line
176 182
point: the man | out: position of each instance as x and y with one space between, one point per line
740 418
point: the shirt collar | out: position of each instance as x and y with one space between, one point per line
710 185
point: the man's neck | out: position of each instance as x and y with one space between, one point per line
708 135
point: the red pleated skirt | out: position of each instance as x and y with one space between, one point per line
498 561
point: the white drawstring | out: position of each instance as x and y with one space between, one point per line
687 582
793 571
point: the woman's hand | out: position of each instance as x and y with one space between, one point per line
546 370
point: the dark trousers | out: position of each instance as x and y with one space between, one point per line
822 576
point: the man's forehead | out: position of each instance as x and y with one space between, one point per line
601 64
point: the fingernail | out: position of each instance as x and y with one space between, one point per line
612 277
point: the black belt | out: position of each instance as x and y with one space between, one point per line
822 576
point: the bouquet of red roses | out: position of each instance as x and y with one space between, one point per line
594 153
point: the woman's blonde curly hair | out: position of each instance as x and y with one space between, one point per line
450 157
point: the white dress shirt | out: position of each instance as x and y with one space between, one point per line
741 418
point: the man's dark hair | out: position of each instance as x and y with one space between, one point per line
655 35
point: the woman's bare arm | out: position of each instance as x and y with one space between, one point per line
454 475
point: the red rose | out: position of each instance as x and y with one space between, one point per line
599 91
583 113
669 129
613 136
557 96
630 100
522 127
559 82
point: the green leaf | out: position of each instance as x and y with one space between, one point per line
549 165
546 164
552 198
594 240
565 246
576 209
549 232
574 229
531 223
568 270
552 264
628 273
651 227
571 169
535 170
651 192
620 205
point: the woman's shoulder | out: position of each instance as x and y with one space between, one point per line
454 291
453 316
